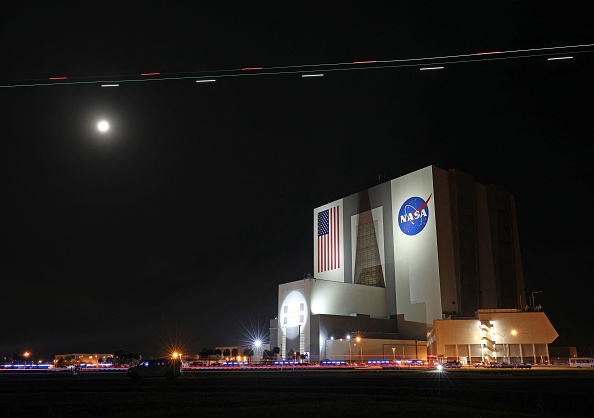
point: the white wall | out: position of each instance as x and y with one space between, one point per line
418 294
298 300
333 298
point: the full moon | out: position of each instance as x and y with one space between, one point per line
103 126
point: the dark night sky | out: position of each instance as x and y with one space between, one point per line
177 227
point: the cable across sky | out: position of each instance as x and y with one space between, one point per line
314 70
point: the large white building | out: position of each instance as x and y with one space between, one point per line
391 260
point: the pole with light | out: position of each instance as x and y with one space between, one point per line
26 354
513 333
360 346
348 337
257 345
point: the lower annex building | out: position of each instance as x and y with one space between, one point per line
425 264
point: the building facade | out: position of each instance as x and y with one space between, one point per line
494 336
437 241
392 260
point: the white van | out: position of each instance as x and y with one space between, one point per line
161 367
580 362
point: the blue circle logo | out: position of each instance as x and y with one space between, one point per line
413 215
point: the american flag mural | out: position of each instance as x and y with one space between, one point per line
328 239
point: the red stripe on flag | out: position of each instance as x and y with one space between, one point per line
333 241
325 253
322 269
318 254
338 234
336 243
331 237
334 237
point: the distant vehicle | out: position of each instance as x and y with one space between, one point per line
452 365
581 362
523 365
161 367
501 365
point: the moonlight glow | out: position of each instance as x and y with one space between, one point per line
103 126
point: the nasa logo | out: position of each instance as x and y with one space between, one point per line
413 215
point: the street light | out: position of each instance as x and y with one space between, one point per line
513 333
257 345
348 337
361 346
26 354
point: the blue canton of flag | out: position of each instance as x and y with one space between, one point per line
323 222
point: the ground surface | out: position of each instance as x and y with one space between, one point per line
302 393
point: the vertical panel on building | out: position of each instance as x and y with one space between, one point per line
487 282
293 316
445 241
367 248
418 295
329 242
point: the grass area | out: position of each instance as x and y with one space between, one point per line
457 393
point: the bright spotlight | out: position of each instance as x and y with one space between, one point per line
103 126
439 367
257 343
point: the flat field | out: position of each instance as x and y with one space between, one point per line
302 393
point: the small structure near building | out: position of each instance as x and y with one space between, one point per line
83 360
493 336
